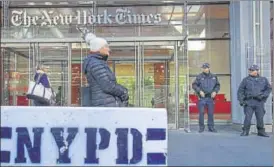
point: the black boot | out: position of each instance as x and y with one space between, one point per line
261 132
212 129
201 129
245 132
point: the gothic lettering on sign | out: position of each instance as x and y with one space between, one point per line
51 18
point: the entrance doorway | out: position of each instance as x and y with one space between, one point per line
147 70
154 70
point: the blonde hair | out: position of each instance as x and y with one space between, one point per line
41 67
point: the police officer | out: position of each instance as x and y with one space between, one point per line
206 86
252 94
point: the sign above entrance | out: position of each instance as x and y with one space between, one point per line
81 17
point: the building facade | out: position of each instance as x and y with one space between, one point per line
157 50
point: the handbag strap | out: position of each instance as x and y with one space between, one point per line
38 78
36 82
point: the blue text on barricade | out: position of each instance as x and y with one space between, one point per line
83 136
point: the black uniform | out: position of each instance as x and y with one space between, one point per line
208 83
252 94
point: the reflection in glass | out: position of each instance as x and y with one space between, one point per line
16 76
213 19
213 52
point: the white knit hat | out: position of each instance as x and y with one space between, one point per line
94 43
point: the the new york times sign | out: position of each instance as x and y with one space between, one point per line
40 136
81 17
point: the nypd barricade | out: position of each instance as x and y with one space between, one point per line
83 136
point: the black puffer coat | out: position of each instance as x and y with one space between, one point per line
104 89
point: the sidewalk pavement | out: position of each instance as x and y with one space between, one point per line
225 148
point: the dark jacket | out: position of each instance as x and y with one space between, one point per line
43 79
254 87
207 83
104 89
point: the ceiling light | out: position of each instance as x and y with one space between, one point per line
48 3
63 3
191 14
177 22
31 3
168 1
85 2
167 47
196 45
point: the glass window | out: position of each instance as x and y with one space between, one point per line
208 21
216 53
16 77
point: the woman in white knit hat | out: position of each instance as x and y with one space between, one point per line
104 89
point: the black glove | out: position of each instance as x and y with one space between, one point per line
243 103
124 97
125 103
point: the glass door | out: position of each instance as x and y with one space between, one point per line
155 74
158 77
17 62
123 61
79 86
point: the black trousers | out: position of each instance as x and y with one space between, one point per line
208 103
258 109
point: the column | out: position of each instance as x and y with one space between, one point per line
246 50
265 62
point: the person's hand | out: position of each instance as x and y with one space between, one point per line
125 103
213 94
124 97
243 103
202 94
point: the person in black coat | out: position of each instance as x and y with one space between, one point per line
104 89
252 94
206 86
